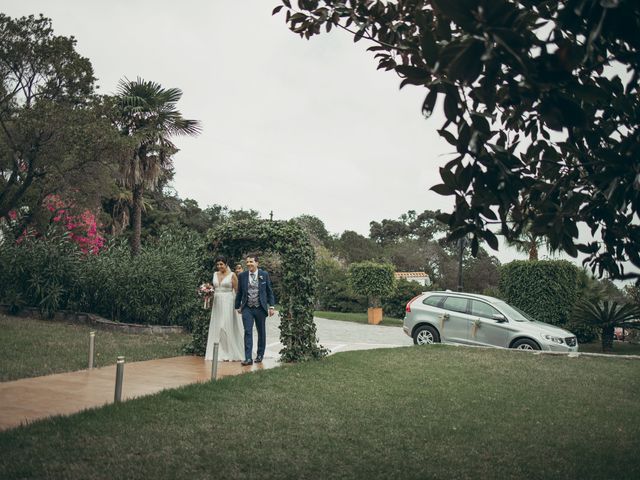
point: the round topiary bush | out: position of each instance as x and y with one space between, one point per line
373 280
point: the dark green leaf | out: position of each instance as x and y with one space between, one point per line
464 136
448 136
448 177
429 47
451 106
480 123
409 71
467 64
429 102
490 238
459 11
442 189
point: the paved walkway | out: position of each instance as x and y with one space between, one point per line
65 393
342 336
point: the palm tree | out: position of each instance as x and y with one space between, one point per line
119 208
147 114
528 243
606 316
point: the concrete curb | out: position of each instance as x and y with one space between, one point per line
543 352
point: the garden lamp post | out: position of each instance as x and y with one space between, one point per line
461 244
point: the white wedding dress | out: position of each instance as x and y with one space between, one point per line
225 327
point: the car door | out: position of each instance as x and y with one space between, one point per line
485 328
455 327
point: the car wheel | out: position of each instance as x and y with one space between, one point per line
525 344
425 335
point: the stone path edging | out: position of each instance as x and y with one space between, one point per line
94 320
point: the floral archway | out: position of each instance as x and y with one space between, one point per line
299 277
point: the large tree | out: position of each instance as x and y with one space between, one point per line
54 134
148 115
353 247
315 228
424 227
542 106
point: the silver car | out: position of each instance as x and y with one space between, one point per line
471 319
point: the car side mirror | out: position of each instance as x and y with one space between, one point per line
498 317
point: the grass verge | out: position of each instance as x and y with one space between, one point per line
416 412
619 348
31 347
357 318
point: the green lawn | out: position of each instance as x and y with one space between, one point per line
619 348
357 318
415 412
30 347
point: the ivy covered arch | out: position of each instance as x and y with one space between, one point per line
299 277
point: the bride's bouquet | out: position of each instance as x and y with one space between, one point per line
205 291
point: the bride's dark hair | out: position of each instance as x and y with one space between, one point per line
221 258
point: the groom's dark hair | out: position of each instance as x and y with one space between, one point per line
252 255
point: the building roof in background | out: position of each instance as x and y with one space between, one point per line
410 274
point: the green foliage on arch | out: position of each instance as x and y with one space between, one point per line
299 277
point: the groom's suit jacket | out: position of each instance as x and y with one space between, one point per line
265 290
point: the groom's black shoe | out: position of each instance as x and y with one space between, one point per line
244 363
258 359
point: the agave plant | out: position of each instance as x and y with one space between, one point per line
607 315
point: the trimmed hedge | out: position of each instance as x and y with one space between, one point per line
546 289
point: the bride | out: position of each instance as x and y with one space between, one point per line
225 327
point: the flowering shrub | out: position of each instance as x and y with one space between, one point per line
83 227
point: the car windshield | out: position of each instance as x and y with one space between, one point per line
513 313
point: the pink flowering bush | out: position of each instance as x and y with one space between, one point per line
83 227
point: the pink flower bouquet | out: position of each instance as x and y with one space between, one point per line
205 291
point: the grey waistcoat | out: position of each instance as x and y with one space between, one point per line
253 294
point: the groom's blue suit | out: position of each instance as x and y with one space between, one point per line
254 313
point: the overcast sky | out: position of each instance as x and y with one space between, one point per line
289 125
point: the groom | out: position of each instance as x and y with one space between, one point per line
254 301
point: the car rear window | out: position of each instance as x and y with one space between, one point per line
455 304
433 300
